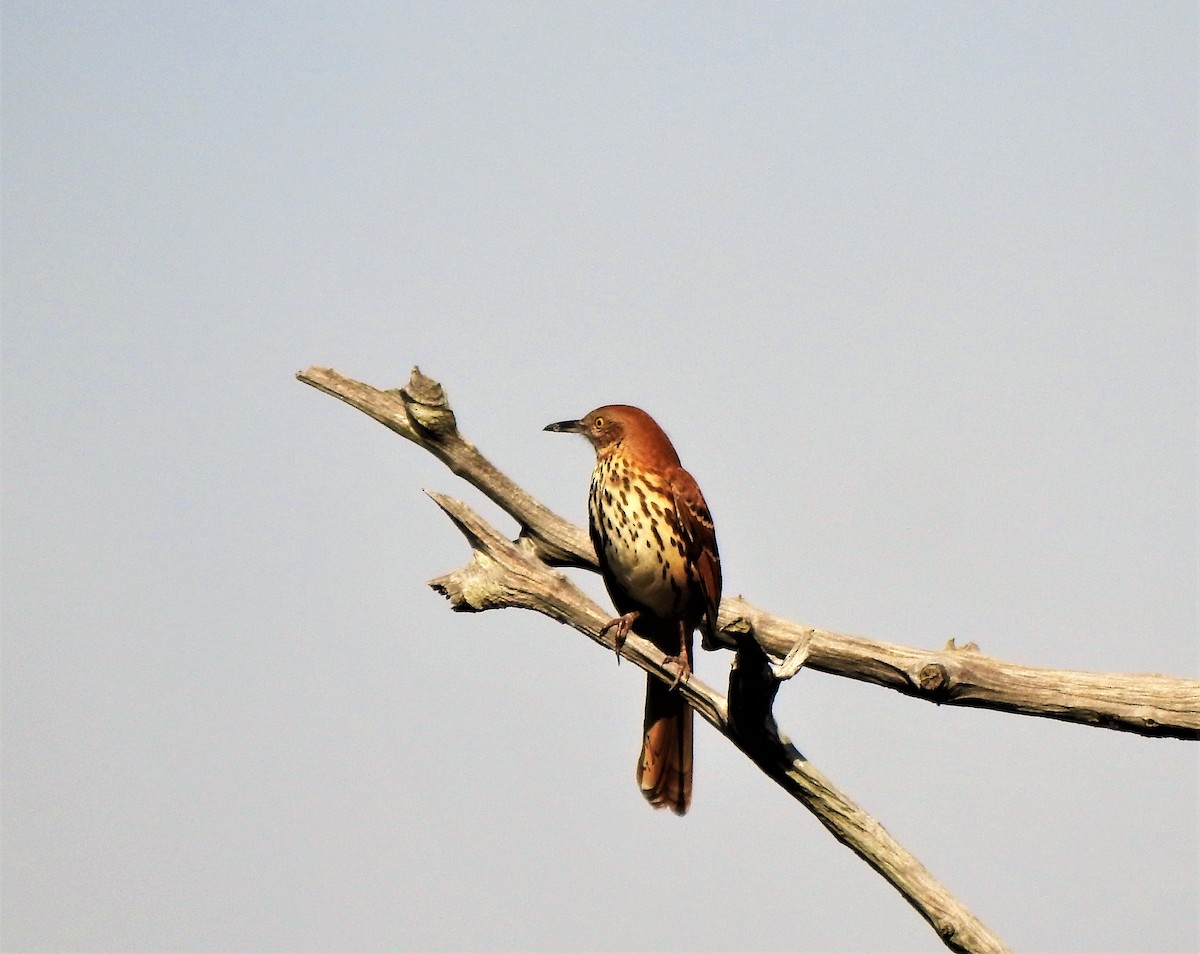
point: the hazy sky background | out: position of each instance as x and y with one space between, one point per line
912 287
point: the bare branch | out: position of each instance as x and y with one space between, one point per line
501 574
420 412
1152 705
1147 704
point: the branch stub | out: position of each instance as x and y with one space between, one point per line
427 405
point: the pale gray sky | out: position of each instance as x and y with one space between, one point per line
913 288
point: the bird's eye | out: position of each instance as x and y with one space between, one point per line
598 423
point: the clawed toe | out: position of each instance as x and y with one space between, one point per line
682 670
622 625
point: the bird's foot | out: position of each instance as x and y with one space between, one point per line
682 669
621 625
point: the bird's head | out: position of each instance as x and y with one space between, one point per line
603 426
622 424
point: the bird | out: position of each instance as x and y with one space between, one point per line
657 549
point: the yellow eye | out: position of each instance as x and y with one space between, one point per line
598 423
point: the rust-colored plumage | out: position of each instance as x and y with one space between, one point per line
657 549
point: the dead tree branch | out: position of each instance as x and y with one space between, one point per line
1151 705
502 574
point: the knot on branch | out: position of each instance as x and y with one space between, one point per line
937 678
736 628
427 405
934 680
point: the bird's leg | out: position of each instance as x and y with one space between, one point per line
622 625
682 663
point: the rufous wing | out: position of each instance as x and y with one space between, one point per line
700 541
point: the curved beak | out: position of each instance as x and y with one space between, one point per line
565 427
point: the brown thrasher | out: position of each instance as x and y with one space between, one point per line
657 549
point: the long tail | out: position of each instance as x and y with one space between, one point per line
664 770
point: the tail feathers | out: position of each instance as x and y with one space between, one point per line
664 770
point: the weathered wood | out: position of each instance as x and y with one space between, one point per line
1146 704
1152 705
503 575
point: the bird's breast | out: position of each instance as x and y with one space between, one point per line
637 538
